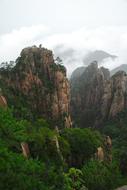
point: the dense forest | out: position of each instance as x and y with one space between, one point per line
59 160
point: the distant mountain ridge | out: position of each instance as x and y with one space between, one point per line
78 72
98 55
122 67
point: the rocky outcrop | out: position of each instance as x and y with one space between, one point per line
114 98
38 85
86 95
25 149
122 188
100 154
77 73
3 102
105 153
95 96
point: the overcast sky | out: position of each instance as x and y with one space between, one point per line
75 26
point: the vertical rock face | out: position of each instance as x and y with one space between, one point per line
3 102
25 150
100 154
119 92
105 153
86 95
115 91
96 97
122 188
39 85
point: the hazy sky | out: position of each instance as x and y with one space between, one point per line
76 26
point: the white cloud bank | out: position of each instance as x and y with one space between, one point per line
12 43
72 47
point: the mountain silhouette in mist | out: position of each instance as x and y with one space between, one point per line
98 56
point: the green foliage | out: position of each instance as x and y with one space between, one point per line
117 130
83 144
64 146
58 66
41 123
52 156
43 146
17 172
98 175
74 179
12 132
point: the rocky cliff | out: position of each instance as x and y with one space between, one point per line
36 84
95 96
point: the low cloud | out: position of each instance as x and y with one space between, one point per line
12 43
71 47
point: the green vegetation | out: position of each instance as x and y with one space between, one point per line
117 130
98 175
58 66
83 144
57 161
